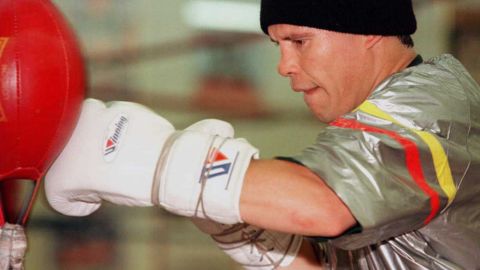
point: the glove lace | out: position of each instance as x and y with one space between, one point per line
256 239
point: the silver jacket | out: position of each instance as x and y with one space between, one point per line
407 164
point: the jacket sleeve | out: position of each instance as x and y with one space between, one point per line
395 175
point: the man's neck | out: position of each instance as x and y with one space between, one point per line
392 57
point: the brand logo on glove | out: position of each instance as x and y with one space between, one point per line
218 165
115 133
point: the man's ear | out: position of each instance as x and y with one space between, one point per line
372 40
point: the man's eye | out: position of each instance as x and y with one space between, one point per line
298 42
276 43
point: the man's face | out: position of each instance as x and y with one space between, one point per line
330 69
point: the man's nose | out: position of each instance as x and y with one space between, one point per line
287 65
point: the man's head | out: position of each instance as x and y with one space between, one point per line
336 52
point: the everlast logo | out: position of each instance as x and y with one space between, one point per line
115 134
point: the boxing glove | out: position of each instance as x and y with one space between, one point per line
128 155
111 156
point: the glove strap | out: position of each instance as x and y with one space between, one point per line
207 172
201 175
161 164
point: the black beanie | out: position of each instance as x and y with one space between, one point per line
367 17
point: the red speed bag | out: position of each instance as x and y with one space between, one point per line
42 84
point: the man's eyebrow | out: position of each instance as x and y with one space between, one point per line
293 36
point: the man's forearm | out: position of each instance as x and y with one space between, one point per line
287 197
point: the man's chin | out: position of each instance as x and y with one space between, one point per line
322 117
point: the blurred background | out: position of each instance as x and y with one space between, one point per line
189 60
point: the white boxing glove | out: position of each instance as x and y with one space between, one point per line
128 155
112 155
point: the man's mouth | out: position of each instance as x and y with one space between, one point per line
305 90
310 91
